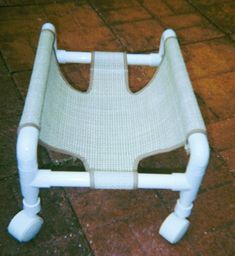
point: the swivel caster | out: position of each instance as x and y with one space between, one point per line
24 226
174 228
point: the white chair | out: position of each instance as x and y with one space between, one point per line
109 128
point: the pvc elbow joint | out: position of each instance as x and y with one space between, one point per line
199 150
27 142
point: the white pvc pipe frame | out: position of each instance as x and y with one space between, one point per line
27 161
27 143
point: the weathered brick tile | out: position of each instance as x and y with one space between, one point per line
114 239
14 29
215 243
145 227
208 115
220 12
139 36
115 4
10 106
81 13
48 1
14 2
198 33
3 68
229 156
157 7
206 3
179 6
7 150
66 245
231 229
64 24
54 201
213 209
26 26
183 20
73 16
140 76
78 75
94 39
216 174
218 93
16 58
222 134
232 37
60 9
166 162
22 13
60 234
208 58
125 15
100 207
21 80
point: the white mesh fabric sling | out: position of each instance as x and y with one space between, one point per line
110 129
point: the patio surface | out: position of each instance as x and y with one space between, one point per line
123 223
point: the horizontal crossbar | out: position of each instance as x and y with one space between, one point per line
150 59
48 178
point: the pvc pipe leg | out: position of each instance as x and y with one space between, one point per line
176 225
26 224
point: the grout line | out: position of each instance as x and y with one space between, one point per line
204 103
221 185
20 97
78 223
20 71
36 4
107 25
211 21
152 15
212 75
137 240
167 4
10 74
112 8
10 176
4 62
129 22
158 19
163 201
204 40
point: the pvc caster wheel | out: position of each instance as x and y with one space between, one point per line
24 227
173 228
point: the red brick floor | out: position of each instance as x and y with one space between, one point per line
122 223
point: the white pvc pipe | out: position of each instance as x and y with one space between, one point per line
198 161
199 153
151 59
174 181
26 149
48 178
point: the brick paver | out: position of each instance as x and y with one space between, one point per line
97 222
